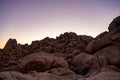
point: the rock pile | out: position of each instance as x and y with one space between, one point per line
68 57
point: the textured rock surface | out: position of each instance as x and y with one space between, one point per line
115 23
41 62
10 45
112 54
85 63
64 74
106 73
96 45
13 75
68 57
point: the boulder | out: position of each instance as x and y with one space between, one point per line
41 62
112 54
96 45
85 63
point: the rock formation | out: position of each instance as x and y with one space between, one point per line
68 57
41 62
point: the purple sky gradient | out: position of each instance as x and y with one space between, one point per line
28 20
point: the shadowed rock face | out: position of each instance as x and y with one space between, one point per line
68 57
41 62
115 24
95 45
10 45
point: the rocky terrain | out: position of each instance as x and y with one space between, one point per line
68 57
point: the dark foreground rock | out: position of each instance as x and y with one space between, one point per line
105 73
68 57
41 62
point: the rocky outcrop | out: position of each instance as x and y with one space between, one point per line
68 57
112 54
66 44
115 24
10 46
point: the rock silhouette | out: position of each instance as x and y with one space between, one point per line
68 57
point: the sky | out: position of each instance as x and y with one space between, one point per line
29 20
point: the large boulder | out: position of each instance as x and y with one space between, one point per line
41 62
85 63
96 45
112 54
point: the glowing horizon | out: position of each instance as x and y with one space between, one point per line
28 20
